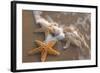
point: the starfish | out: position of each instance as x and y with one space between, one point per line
45 49
46 30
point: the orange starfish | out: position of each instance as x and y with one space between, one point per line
45 49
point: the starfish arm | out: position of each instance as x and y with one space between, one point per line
46 48
39 43
34 50
43 55
53 52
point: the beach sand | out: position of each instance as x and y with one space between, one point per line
28 36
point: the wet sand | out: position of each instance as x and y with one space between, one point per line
28 37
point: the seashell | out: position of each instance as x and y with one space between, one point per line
50 38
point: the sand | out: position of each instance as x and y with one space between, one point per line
28 36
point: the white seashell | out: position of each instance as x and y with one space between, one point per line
43 22
58 32
50 38
61 36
